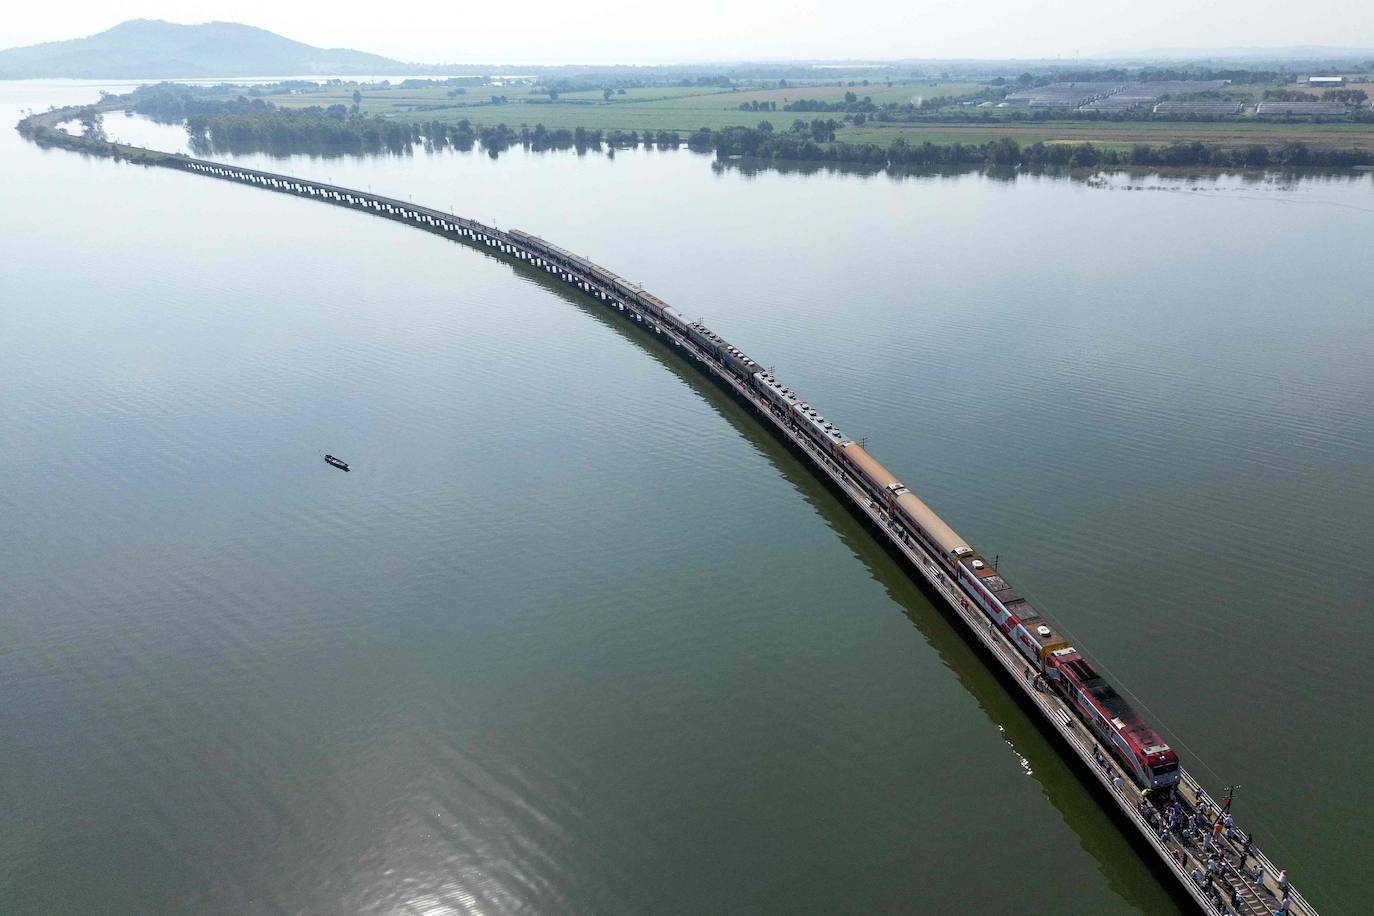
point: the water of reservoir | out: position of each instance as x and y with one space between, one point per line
575 635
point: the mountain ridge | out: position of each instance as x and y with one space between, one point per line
156 49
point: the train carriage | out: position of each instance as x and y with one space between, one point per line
733 357
675 318
602 276
704 337
819 429
775 392
654 304
739 362
1028 630
930 529
880 483
552 252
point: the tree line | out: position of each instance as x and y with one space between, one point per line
755 143
337 130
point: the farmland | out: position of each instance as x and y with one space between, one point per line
689 108
1123 134
649 108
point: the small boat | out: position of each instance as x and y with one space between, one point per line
337 462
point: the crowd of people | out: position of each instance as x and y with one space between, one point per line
1208 838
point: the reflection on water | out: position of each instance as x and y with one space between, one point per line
142 131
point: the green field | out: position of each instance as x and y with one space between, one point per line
654 108
687 108
1122 134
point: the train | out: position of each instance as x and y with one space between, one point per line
1142 753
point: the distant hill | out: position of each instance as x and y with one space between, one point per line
153 49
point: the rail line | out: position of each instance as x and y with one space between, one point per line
1256 897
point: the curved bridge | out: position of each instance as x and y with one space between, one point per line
1253 896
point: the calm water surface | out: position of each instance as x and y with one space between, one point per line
575 635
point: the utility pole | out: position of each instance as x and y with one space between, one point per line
1228 797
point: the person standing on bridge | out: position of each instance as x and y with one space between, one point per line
1245 850
1282 882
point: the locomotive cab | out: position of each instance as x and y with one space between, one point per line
1161 762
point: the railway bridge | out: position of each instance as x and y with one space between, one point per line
1243 881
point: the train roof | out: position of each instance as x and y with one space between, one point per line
1113 705
743 357
652 299
603 272
781 390
553 249
871 466
724 344
706 332
1041 630
812 417
1044 632
945 536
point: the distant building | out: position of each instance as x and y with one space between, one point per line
1301 108
1215 108
1108 96
1325 82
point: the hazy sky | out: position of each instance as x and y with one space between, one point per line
598 31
